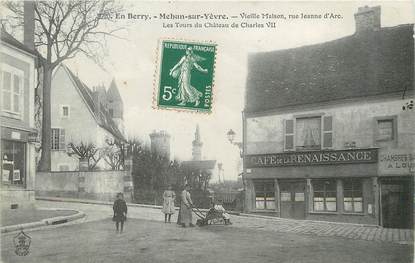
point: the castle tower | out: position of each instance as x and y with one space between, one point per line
160 143
197 146
115 105
99 94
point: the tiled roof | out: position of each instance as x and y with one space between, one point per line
9 39
364 64
101 115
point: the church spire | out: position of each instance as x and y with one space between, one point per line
197 145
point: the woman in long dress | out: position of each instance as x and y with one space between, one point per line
186 205
183 71
168 203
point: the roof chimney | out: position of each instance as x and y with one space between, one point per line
29 24
367 19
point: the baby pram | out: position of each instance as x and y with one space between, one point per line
212 216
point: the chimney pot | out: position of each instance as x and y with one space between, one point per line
29 24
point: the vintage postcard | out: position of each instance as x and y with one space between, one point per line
207 131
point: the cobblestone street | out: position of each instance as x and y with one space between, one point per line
249 239
348 231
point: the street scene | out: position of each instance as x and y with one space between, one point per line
146 236
257 132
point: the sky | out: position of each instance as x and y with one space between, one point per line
132 63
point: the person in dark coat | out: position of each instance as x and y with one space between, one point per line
120 212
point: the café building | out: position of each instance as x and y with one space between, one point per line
18 134
328 134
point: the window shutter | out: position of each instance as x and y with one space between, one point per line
288 135
62 144
327 132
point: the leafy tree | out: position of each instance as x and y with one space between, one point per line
152 173
62 30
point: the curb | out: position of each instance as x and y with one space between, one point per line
44 222
95 202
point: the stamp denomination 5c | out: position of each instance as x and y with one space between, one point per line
186 73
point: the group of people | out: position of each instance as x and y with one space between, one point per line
185 213
169 196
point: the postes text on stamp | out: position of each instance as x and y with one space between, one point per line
186 74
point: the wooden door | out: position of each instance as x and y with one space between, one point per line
292 197
396 204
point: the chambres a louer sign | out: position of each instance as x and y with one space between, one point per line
312 158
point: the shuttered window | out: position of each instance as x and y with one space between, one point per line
12 90
327 132
288 135
308 133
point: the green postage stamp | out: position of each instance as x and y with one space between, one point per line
186 72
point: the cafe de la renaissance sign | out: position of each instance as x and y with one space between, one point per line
324 157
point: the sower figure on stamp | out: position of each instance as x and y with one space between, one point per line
120 212
186 208
168 203
183 71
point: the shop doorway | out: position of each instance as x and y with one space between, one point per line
396 197
292 197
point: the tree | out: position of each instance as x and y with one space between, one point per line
87 152
152 173
113 154
62 30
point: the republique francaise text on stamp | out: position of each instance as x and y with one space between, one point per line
185 75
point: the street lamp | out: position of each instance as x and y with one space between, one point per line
231 136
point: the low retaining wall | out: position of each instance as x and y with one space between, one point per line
95 185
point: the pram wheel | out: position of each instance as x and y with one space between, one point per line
201 222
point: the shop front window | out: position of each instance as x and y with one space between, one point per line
325 195
13 162
264 195
353 195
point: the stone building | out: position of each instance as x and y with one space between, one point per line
325 133
111 102
80 115
160 143
18 78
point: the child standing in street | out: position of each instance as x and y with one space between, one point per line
120 212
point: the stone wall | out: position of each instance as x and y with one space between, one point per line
96 185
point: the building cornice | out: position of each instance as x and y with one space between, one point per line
330 104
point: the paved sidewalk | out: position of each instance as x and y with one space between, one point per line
25 219
349 231
11 217
100 210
